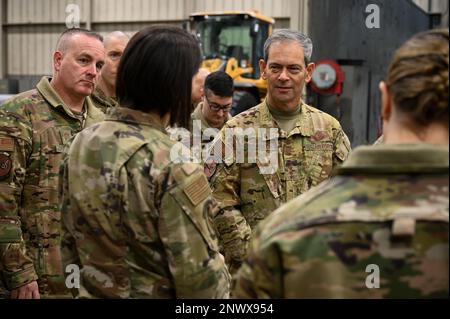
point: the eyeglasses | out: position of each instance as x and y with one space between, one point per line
217 107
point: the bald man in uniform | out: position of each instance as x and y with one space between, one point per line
104 96
34 127
198 86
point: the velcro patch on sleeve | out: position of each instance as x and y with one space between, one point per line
5 166
6 144
10 232
197 190
189 168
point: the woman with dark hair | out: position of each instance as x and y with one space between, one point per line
135 223
379 229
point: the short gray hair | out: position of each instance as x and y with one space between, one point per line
289 35
115 35
65 38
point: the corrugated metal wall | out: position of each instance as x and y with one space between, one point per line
41 11
432 6
31 27
355 45
137 10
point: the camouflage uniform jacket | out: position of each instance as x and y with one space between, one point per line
381 222
34 126
248 192
137 224
101 101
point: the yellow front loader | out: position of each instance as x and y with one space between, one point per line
233 41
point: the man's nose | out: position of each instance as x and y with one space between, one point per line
283 75
93 70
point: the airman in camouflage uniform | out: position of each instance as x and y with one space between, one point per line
137 222
145 221
387 207
379 229
200 125
305 155
211 114
34 126
104 95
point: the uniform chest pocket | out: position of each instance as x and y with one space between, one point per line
259 193
256 186
52 144
318 162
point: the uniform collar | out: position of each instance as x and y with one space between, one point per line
303 126
397 158
101 97
51 96
198 115
124 114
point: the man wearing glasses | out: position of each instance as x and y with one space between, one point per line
210 115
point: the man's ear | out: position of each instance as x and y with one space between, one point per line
57 60
309 71
386 103
262 68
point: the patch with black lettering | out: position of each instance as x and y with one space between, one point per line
319 147
5 166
